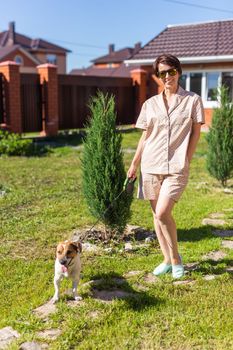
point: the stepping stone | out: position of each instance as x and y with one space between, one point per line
229 269
213 222
228 209
215 256
45 310
217 215
227 244
228 191
132 273
176 283
110 295
7 336
209 277
191 266
33 346
223 233
50 334
150 278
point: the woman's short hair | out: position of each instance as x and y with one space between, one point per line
168 59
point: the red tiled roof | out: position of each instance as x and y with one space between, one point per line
28 43
121 71
189 40
4 51
115 56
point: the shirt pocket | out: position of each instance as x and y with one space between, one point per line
182 118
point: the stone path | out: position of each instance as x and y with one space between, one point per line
9 335
218 219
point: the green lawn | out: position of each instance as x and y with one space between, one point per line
44 204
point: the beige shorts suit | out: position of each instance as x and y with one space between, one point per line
164 163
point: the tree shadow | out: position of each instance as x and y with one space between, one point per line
113 286
213 267
64 138
196 234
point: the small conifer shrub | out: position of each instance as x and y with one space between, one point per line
13 145
220 140
103 168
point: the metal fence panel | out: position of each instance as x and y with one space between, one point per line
75 93
31 105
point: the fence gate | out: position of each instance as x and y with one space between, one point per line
31 102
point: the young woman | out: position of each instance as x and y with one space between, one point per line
171 124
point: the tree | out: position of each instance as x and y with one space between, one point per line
103 168
220 140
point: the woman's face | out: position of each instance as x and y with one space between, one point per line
170 81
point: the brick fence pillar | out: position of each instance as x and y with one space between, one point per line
10 71
139 77
49 80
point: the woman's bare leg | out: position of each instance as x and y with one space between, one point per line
162 241
163 213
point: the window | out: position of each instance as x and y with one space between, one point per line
18 59
182 81
227 80
51 59
211 86
195 82
205 84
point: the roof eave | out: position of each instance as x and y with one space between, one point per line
55 51
194 59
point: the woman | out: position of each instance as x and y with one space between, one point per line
171 123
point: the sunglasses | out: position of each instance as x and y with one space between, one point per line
172 72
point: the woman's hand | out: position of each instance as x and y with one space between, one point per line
132 172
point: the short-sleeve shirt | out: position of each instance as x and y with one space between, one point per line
168 132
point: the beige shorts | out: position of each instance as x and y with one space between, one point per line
152 185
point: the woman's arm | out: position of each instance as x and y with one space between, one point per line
194 137
137 157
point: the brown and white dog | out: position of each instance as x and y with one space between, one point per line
68 265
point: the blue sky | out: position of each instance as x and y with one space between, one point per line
87 27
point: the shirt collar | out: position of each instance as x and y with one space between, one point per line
176 100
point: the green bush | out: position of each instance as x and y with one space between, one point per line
12 145
103 167
220 140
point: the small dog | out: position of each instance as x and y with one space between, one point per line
67 264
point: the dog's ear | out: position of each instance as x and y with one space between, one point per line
78 246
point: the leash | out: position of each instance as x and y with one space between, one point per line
128 187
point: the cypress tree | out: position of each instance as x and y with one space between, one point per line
103 168
220 140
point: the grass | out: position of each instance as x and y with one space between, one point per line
44 204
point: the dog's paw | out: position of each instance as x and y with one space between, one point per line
78 298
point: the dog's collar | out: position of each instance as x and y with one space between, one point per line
69 263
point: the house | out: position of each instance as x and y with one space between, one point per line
205 51
110 65
29 52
